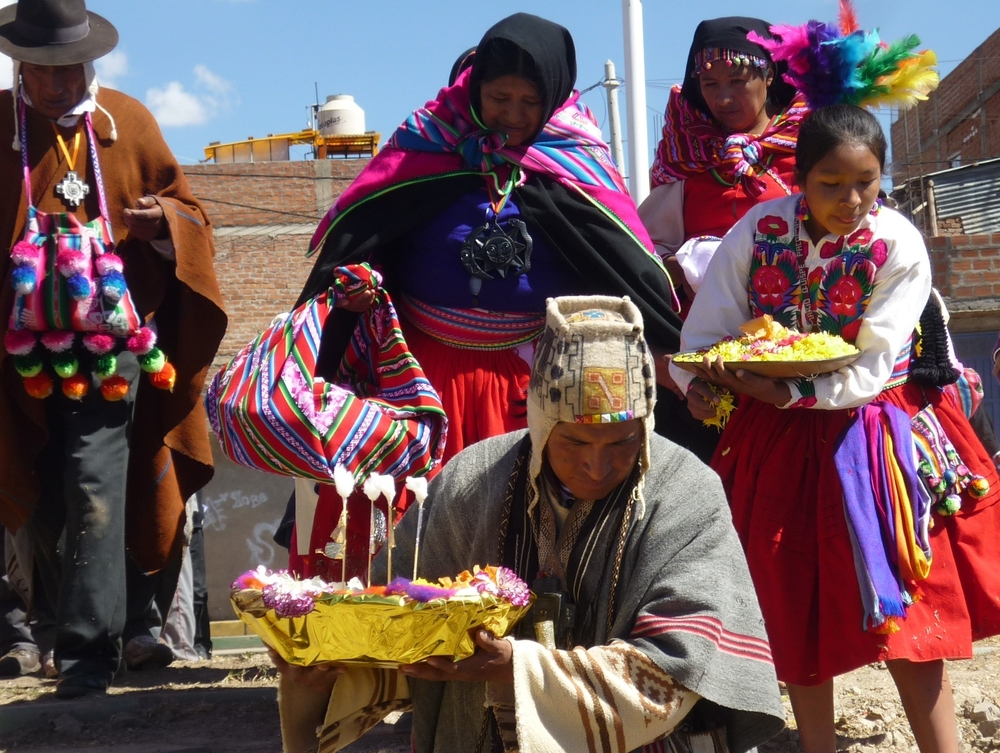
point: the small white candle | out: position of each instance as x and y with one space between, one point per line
417 485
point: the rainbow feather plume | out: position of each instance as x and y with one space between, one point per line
844 64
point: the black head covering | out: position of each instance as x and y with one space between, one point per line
731 33
549 47
461 63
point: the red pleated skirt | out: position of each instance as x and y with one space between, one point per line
484 393
779 472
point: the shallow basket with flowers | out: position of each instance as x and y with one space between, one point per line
769 349
406 621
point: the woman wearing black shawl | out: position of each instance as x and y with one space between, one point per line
477 211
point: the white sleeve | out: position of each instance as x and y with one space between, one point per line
721 305
901 289
662 214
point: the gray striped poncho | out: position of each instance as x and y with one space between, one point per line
686 609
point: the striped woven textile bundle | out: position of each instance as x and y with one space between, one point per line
271 413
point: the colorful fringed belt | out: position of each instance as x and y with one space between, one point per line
888 512
471 329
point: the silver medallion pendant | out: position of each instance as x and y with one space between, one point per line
72 189
492 248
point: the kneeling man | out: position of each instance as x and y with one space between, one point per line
646 625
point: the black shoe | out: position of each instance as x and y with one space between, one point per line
79 686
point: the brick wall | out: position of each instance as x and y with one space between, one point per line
261 275
962 117
966 271
271 193
264 214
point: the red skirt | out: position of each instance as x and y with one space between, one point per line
779 472
484 392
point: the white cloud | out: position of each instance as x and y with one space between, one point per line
173 105
111 67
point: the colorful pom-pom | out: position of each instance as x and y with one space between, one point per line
79 287
107 263
39 386
19 342
165 378
949 505
65 364
979 487
98 344
106 366
963 471
142 341
114 388
950 477
57 341
25 253
72 262
936 484
24 280
113 286
28 366
152 361
76 387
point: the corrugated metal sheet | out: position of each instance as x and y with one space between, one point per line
972 193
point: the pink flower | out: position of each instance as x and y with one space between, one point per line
512 588
879 252
772 225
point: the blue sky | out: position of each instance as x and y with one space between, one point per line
222 70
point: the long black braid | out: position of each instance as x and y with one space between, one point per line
933 366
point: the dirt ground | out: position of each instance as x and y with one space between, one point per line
228 705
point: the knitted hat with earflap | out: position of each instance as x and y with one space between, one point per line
592 366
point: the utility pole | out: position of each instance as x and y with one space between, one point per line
635 97
611 83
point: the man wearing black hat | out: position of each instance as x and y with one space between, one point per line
106 272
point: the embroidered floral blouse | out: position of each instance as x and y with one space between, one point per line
869 287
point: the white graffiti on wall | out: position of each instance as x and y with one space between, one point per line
261 546
216 509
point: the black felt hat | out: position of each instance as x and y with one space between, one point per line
54 32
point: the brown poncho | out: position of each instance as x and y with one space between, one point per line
170 457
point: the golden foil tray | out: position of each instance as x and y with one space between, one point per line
377 631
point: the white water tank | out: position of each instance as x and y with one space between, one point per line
340 116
